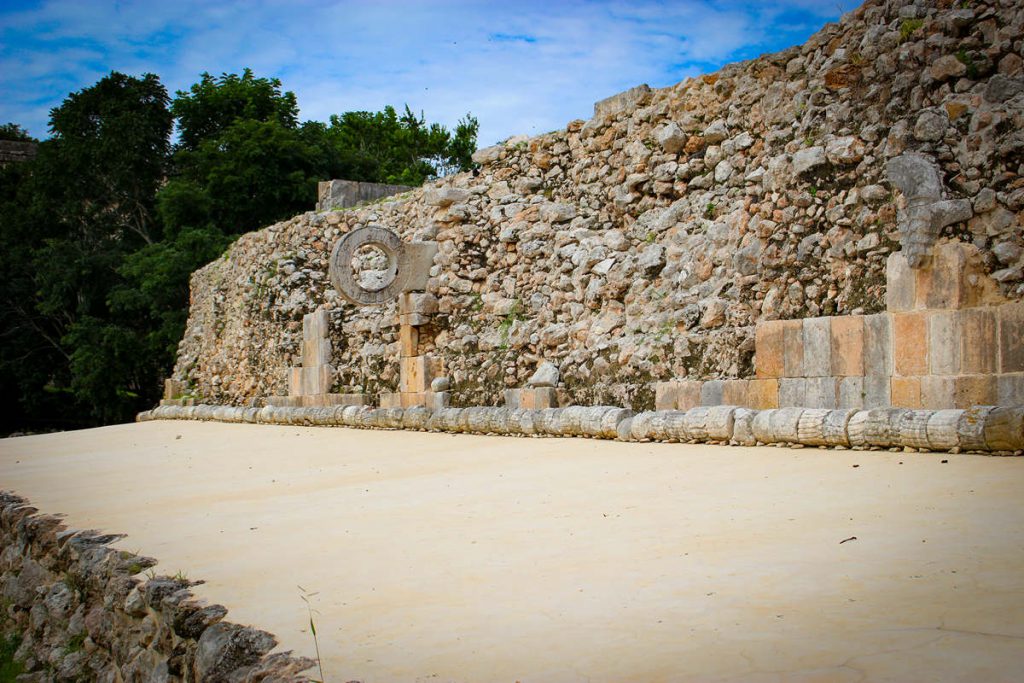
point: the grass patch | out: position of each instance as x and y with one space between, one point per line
9 668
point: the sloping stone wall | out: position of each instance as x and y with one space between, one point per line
84 615
646 244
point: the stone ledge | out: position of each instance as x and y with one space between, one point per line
980 428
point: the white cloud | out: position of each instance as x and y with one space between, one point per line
524 67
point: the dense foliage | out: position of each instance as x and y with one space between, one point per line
102 229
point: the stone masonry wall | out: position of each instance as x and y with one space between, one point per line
84 615
646 244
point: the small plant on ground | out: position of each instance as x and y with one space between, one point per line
305 596
909 27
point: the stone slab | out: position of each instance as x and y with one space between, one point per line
944 343
763 394
792 392
414 374
688 394
792 348
940 284
417 302
316 325
768 349
735 392
937 392
979 341
409 340
821 392
666 395
847 345
1010 389
877 392
315 351
974 390
817 335
295 381
390 400
905 392
878 344
910 344
851 392
538 398
174 388
284 401
900 283
317 380
513 398
711 393
1011 337
410 399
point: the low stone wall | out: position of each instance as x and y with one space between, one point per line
83 615
983 429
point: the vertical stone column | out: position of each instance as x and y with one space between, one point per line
417 370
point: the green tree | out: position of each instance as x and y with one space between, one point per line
12 131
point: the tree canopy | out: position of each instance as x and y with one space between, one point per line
104 226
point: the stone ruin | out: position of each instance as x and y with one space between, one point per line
837 226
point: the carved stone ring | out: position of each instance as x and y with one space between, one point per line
407 269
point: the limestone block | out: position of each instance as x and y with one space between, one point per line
675 425
390 400
735 392
937 392
878 345
810 428
1004 428
763 394
821 392
1011 337
792 348
409 338
910 344
943 284
711 393
900 283
944 342
624 101
768 349
414 319
624 432
315 351
847 345
689 394
174 388
414 374
410 399
912 427
546 375
539 398
742 429
513 398
417 302
906 392
719 422
785 424
792 392
942 429
295 381
817 347
851 392
438 400
970 428
317 379
666 394
761 426
974 390
979 341
316 325
836 425
1010 389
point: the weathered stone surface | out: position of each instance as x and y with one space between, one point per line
847 346
808 160
817 347
979 341
792 392
763 394
624 101
944 342
770 340
1011 334
1004 428
905 392
821 392
970 428
910 344
546 375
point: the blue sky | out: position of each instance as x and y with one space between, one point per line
518 66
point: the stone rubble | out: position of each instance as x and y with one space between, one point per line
645 244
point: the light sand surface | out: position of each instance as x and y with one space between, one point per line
440 557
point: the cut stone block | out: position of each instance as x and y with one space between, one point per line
940 284
688 395
878 344
317 380
768 349
763 394
792 348
910 344
327 400
792 392
512 398
417 302
539 398
666 394
409 337
410 399
316 325
817 347
979 341
1011 337
414 319
711 393
905 392
414 374
877 392
315 351
937 392
295 381
390 400
734 392
1011 389
900 283
974 390
284 401
944 337
438 400
851 392
847 345
821 392
174 388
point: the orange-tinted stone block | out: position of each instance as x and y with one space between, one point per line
910 344
768 346
734 392
975 390
848 346
763 394
792 348
905 392
979 341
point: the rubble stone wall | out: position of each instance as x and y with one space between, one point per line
83 614
646 244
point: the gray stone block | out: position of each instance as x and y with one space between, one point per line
792 392
817 347
821 392
877 392
512 398
851 392
1011 389
878 345
944 343
711 393
900 283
